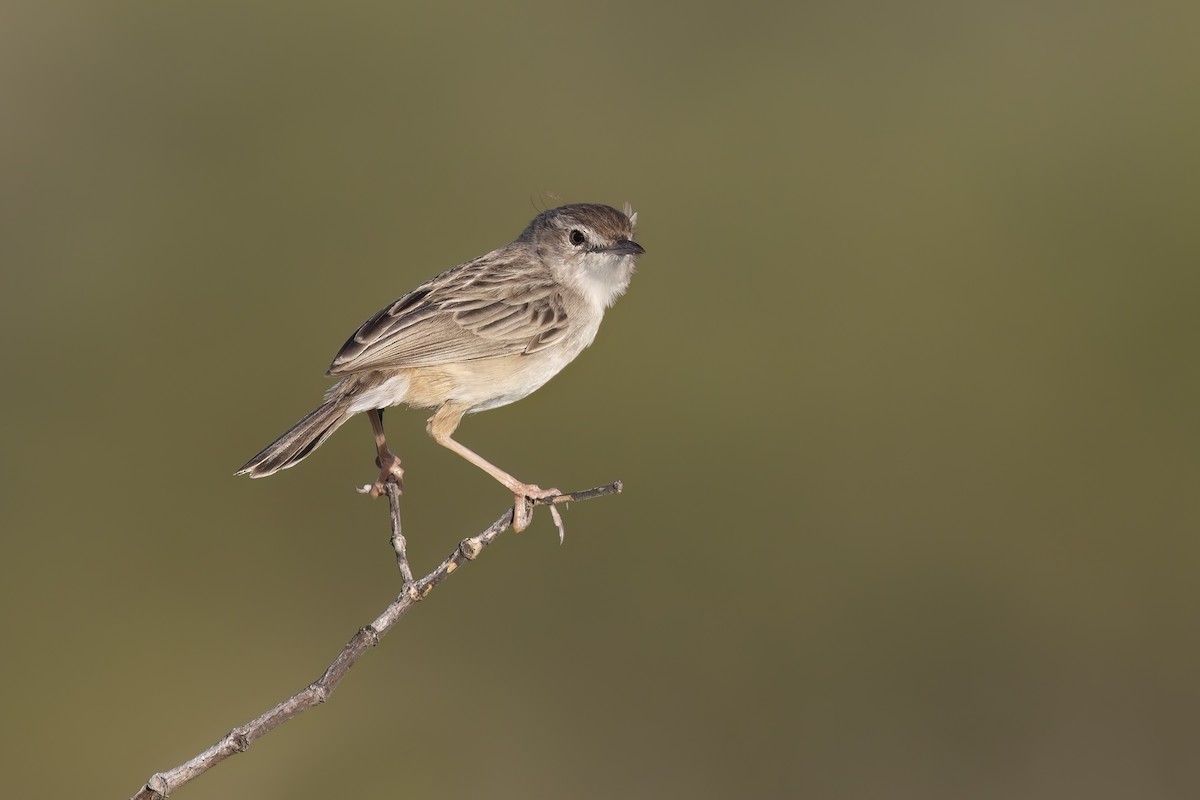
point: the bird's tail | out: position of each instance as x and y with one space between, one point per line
295 445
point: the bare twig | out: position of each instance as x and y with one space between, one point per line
398 543
161 784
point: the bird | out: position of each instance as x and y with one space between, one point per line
480 335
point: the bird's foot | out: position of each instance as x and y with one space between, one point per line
523 509
389 472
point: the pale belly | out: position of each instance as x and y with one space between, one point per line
478 385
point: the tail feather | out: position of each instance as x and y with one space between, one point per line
295 445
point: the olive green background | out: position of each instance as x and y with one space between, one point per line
904 394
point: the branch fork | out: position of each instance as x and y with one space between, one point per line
412 591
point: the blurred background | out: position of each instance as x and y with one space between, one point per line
904 396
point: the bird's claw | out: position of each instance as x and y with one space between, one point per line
389 472
523 508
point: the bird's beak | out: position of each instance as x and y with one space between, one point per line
626 247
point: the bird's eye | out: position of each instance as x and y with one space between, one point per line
577 238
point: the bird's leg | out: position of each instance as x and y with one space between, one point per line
443 423
387 461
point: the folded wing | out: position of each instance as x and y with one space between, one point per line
486 308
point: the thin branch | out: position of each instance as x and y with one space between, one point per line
161 784
398 543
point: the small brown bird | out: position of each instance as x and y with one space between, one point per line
480 335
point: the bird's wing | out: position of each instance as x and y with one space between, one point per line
491 307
